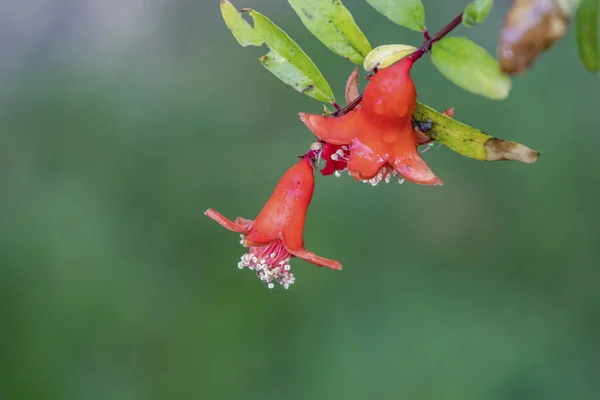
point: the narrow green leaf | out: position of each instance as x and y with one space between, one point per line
288 62
476 12
471 142
471 67
240 28
407 13
331 22
586 26
289 74
285 60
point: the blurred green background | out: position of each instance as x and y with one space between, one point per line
122 121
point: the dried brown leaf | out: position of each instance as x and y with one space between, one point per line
504 150
531 27
352 90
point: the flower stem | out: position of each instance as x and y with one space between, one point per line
425 47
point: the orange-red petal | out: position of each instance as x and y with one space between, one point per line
407 161
334 130
240 224
317 260
367 155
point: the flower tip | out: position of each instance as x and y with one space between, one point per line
331 264
240 225
315 259
434 181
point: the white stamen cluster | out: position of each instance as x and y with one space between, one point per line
271 264
340 154
268 272
385 174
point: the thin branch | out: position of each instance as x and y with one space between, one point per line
426 46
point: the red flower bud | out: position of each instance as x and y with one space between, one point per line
276 234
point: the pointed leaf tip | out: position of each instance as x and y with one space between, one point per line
407 13
471 67
471 142
241 29
504 150
332 23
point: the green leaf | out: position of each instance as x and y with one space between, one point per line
331 22
586 26
288 62
285 60
476 12
240 28
471 142
386 55
471 67
407 13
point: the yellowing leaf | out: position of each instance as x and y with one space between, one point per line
386 55
471 142
407 13
240 28
331 22
285 60
587 34
476 12
471 67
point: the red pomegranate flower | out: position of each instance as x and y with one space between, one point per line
276 234
336 158
379 133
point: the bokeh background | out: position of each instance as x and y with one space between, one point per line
122 121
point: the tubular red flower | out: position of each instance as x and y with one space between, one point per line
379 133
275 236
